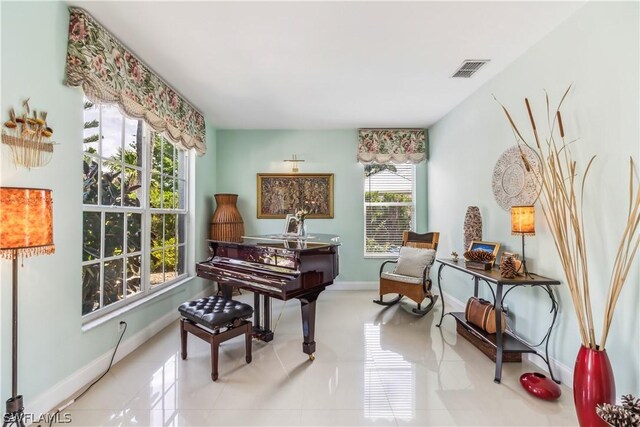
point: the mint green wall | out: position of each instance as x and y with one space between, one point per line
597 50
244 153
52 345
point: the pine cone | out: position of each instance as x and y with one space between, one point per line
617 416
508 268
631 404
478 256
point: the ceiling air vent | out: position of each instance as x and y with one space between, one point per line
469 67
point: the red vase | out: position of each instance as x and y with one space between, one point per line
593 384
540 386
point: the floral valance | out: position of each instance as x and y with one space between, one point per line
391 145
110 73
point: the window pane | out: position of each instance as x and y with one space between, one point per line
388 196
91 132
181 194
156 260
134 232
113 234
134 274
91 237
167 192
157 231
111 183
170 263
90 288
170 224
89 181
132 187
154 191
182 259
133 142
156 153
113 281
112 122
182 228
181 171
384 226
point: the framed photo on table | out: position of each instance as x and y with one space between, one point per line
290 224
282 194
491 247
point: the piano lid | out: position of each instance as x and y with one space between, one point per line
290 242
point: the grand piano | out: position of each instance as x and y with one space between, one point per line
276 266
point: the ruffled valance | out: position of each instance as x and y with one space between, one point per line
391 146
109 73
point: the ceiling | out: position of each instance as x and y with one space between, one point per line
326 65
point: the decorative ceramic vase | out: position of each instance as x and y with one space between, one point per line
593 384
226 223
472 226
540 386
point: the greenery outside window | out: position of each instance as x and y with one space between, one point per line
389 207
134 211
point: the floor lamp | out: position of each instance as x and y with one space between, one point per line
523 223
26 229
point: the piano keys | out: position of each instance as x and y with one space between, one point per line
276 266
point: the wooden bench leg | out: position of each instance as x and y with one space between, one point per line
247 338
215 346
183 339
215 339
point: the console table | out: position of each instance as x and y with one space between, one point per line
507 342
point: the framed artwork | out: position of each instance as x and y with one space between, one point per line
490 247
282 194
290 224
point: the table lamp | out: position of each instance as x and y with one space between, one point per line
26 229
523 223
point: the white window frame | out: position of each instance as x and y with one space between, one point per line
146 290
366 204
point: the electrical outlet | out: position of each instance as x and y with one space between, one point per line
121 326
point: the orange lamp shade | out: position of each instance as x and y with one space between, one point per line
523 220
26 222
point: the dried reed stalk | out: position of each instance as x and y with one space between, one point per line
562 206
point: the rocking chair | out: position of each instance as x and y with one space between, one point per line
410 277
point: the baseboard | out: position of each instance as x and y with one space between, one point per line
353 286
60 393
561 371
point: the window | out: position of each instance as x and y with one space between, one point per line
389 207
134 211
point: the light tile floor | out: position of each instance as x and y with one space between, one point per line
373 366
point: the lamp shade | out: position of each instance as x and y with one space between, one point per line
26 222
523 220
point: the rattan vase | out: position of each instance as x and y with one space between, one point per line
472 226
226 223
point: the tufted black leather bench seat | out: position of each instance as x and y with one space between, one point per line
215 313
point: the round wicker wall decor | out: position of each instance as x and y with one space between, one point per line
515 183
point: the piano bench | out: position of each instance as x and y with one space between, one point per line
207 317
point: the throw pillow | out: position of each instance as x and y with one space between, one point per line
412 261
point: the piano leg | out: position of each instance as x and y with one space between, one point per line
308 308
227 290
263 333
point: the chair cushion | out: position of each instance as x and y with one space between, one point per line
412 261
404 279
215 311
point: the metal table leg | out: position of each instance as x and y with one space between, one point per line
441 295
498 315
